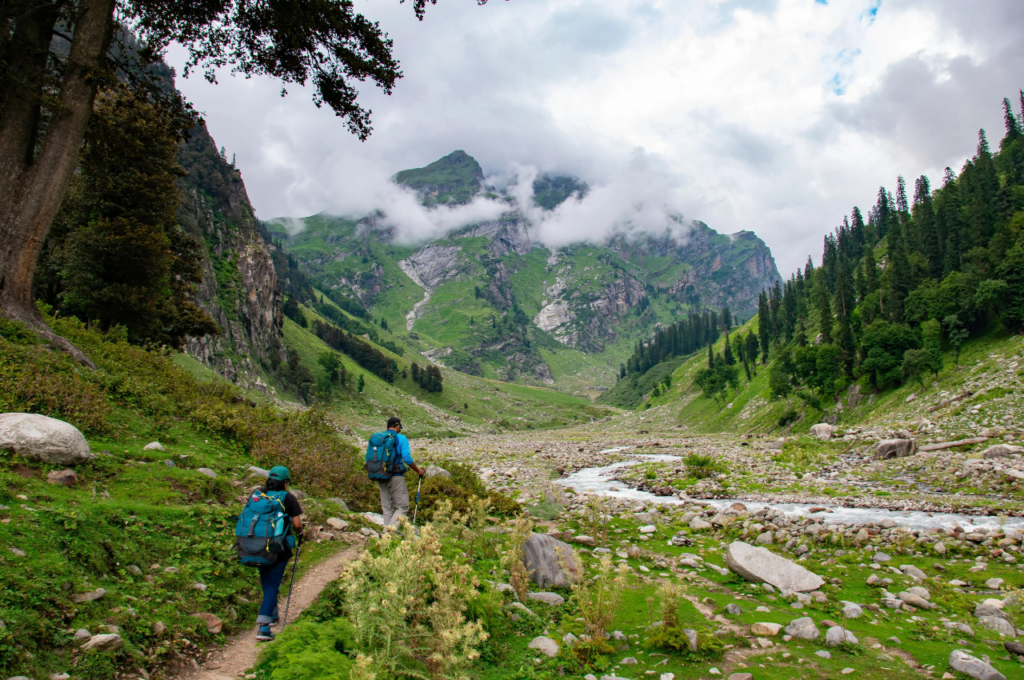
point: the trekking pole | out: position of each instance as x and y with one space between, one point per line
416 509
298 550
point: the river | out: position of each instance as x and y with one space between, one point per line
599 480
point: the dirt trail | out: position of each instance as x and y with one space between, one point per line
240 653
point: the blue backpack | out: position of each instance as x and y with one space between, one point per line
382 458
264 529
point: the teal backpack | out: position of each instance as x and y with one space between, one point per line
264 529
382 458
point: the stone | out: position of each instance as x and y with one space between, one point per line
584 540
698 524
103 643
915 600
208 472
336 523
920 592
823 654
691 638
1015 648
765 629
570 640
760 565
803 628
65 477
998 625
895 448
60 676
939 548
994 583
159 628
837 635
544 645
44 439
437 471
258 471
201 587
984 609
733 609
648 529
962 662
765 538
960 626
92 596
520 607
667 676
629 661
374 518
823 431
213 623
880 557
340 503
153 446
81 636
1001 451
911 570
544 558
852 611
169 463
550 599
737 676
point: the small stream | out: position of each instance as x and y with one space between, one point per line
599 480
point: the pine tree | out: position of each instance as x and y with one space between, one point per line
361 384
844 304
711 356
764 326
899 275
927 227
950 224
825 318
730 359
751 346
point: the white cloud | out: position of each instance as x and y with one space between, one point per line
776 117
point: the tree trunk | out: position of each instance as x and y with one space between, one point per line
36 188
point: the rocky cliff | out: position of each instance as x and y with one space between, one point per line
240 287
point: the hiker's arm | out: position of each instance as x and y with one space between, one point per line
404 449
297 526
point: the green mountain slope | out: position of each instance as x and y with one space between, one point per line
488 301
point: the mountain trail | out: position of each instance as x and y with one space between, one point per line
239 655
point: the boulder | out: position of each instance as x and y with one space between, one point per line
544 645
765 629
760 565
733 609
1001 451
103 643
258 471
341 503
208 472
47 440
698 524
1015 648
998 625
374 518
911 570
984 609
895 448
550 599
803 628
570 640
823 431
852 611
838 635
766 538
648 529
65 477
81 598
962 662
542 555
336 523
153 446
82 636
437 471
213 624
584 540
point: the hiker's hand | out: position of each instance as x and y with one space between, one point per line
422 474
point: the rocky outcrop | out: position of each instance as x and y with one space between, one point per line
507 235
240 289
499 289
44 439
431 265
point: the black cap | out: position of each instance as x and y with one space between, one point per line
394 422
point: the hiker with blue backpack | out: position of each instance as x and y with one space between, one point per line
268 529
387 457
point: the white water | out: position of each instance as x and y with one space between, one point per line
598 480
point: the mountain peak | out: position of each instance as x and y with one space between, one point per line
453 179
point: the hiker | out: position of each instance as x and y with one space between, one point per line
394 494
267 530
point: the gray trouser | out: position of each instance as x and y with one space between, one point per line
394 499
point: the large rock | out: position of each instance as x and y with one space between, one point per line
103 643
803 628
895 448
550 599
65 477
213 623
761 565
998 625
1001 451
962 662
545 645
838 635
823 431
761 629
437 471
542 554
44 439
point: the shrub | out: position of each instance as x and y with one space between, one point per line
407 603
513 559
597 598
702 466
461 488
307 650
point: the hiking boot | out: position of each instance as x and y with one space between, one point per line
264 634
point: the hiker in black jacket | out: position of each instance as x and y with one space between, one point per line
272 575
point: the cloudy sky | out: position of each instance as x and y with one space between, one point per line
776 116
